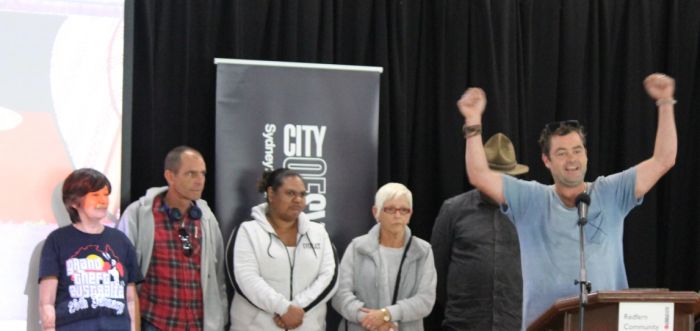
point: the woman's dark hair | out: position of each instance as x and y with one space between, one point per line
275 178
78 184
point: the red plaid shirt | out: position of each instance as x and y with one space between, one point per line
171 293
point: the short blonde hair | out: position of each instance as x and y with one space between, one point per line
390 191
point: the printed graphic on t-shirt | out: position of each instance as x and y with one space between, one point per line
96 280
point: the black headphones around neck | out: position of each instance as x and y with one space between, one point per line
175 215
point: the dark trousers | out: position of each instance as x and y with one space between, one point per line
146 326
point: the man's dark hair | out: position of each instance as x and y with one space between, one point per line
560 128
173 159
78 184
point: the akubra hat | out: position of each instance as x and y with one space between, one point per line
500 155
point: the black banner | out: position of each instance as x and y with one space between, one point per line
320 120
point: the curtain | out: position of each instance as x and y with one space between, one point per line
538 61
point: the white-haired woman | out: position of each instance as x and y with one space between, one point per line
387 277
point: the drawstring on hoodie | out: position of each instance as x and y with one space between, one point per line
312 245
259 214
269 245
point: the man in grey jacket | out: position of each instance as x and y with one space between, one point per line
180 250
477 255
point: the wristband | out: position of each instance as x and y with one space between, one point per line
662 102
471 130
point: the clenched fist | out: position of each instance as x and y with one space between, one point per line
660 86
472 103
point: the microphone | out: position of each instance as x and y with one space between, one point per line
583 200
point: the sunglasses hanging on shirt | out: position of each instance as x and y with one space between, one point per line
186 244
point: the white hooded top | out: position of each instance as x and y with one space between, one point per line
268 277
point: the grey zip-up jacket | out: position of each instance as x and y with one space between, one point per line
361 283
269 277
138 224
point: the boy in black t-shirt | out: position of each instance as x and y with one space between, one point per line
88 272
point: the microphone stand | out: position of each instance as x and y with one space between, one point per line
584 284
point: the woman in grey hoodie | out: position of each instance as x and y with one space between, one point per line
387 277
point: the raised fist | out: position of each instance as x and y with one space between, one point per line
660 86
472 103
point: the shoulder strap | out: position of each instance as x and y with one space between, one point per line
398 275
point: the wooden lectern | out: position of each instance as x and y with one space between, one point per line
602 310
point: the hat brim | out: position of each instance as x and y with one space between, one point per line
518 170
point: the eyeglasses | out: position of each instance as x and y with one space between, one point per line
291 194
552 127
393 210
186 244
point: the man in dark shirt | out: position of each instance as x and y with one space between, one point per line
477 255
